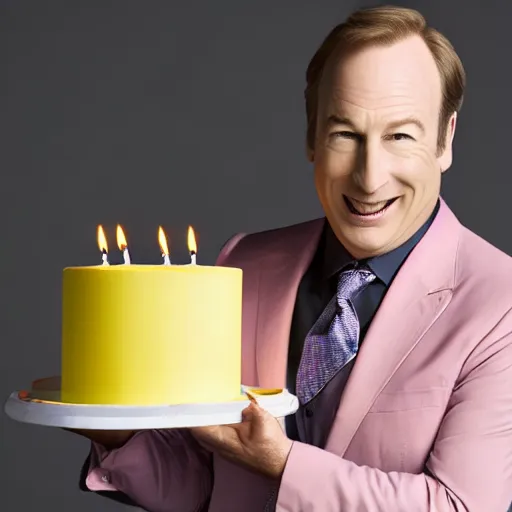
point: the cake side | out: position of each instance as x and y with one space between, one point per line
144 335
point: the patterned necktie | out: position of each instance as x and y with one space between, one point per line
333 340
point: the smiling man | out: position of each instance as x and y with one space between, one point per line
390 320
382 138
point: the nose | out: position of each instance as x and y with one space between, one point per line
371 172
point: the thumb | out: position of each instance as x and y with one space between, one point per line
256 415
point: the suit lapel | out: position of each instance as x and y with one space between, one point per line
419 293
280 274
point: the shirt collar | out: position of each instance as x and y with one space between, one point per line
385 266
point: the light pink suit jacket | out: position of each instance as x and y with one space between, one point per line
425 421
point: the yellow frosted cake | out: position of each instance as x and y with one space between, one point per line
151 334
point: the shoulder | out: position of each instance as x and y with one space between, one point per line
259 244
482 264
483 281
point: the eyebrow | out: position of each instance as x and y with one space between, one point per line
334 120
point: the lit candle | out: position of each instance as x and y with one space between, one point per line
162 240
123 246
102 244
192 245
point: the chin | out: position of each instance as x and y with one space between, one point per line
362 242
362 247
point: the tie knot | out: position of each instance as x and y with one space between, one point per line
353 281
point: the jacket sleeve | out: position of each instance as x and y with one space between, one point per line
469 468
156 469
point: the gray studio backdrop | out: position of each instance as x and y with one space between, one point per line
178 113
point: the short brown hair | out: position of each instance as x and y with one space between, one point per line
384 26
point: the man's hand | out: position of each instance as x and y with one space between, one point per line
257 443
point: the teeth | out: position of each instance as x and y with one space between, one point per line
366 208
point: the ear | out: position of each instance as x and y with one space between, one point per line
310 154
446 158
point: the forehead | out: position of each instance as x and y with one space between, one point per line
401 77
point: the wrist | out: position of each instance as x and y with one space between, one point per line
281 459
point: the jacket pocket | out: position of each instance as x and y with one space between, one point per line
405 400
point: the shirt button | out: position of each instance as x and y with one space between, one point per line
309 412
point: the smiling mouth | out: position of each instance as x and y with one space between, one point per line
367 209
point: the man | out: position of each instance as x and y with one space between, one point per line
389 320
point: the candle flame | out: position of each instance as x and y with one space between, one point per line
192 245
162 241
121 239
102 240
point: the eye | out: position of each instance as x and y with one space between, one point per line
345 135
400 136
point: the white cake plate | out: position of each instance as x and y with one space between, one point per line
42 406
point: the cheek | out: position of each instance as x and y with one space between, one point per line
334 166
425 157
414 165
